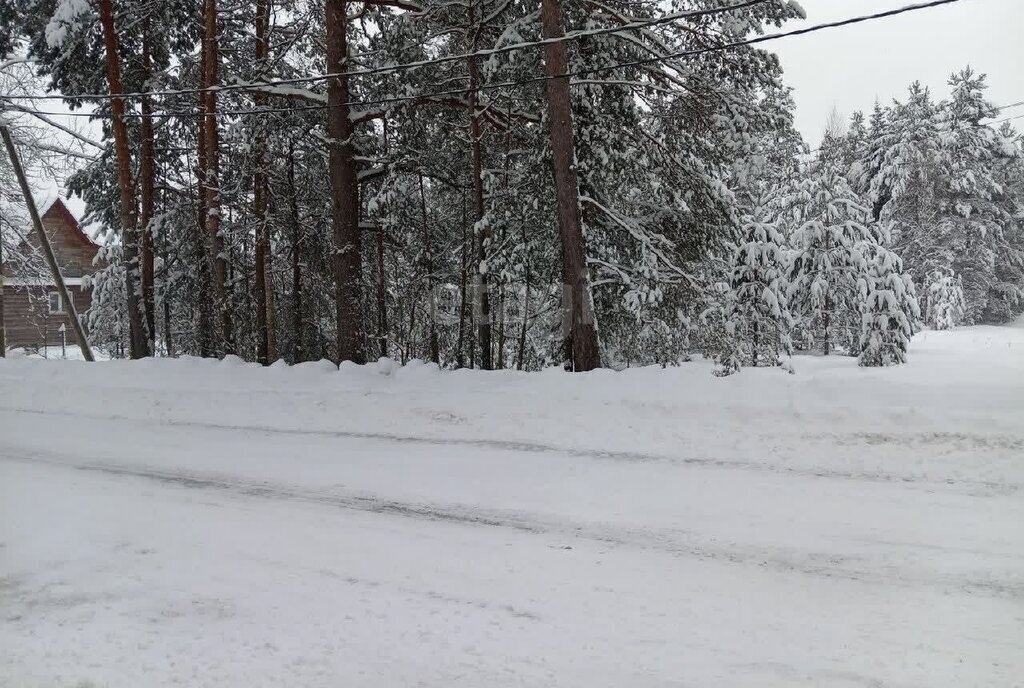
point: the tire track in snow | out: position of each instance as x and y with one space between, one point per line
675 542
974 487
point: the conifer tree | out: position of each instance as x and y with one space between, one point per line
829 226
945 300
889 308
758 321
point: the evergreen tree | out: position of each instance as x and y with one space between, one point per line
945 302
758 321
937 173
830 225
889 308
442 179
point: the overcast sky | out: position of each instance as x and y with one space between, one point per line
850 67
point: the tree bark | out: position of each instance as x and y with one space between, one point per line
219 271
460 359
205 337
757 343
827 315
827 324
266 341
297 325
435 354
482 310
500 364
168 332
3 328
382 302
147 192
576 301
401 341
526 298
344 192
137 337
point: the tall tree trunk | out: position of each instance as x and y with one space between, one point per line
219 271
482 314
259 296
129 229
266 341
435 354
411 346
3 326
827 324
297 325
168 332
400 339
348 276
147 191
501 328
382 302
578 312
526 298
756 343
204 250
460 359
827 315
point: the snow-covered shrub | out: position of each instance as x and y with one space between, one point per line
945 306
106 318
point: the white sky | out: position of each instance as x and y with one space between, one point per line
850 67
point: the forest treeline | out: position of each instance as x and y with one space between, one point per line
508 184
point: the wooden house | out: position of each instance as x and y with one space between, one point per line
33 310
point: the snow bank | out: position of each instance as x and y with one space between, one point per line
962 391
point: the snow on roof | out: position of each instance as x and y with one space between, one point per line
45 201
52 205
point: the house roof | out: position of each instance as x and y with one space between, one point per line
54 208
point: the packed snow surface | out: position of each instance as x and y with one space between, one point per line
199 523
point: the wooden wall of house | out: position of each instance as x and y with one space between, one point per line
74 252
28 322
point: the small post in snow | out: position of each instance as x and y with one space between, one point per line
44 243
63 340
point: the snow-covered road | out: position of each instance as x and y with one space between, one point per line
157 530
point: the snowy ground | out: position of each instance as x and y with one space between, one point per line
213 524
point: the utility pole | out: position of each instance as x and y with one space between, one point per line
44 243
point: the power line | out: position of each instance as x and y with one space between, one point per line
1005 119
540 79
387 69
1011 105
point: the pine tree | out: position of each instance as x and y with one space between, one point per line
830 225
889 308
975 214
935 171
441 174
945 302
758 319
